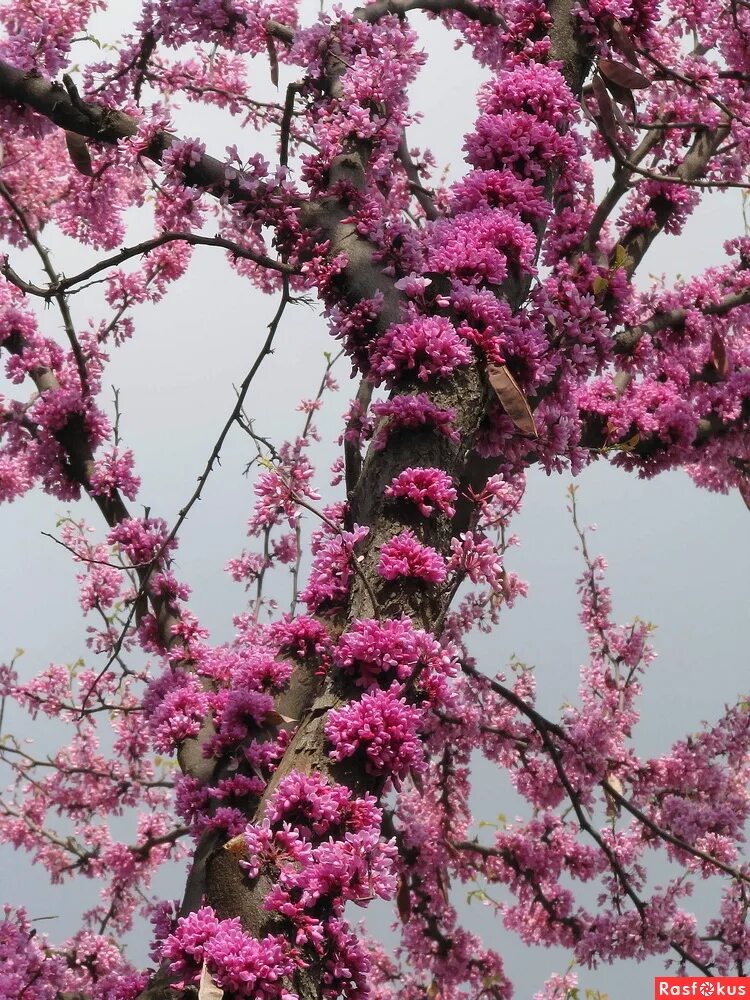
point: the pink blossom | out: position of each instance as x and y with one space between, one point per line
404 412
332 569
141 540
375 651
429 489
482 246
478 558
317 808
404 556
381 726
428 347
114 471
238 962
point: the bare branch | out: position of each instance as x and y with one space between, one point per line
60 284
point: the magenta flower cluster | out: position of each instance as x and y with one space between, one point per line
238 963
325 848
383 728
430 490
427 347
404 556
422 284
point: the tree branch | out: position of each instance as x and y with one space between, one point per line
109 126
60 284
627 340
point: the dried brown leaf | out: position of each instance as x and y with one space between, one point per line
403 900
443 883
505 585
607 119
613 784
512 399
622 41
623 97
719 354
620 117
78 151
275 718
274 60
622 74
237 847
207 988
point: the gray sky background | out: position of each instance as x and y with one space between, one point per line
678 556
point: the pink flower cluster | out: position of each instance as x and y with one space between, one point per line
478 558
481 246
428 489
304 638
403 556
383 728
141 540
428 347
325 849
237 962
381 651
332 570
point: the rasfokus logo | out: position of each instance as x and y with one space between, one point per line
688 986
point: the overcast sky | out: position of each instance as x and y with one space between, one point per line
678 556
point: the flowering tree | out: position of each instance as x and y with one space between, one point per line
495 324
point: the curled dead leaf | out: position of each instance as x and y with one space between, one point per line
207 988
403 900
622 74
613 787
718 357
624 98
237 847
622 41
443 883
622 381
78 151
507 593
630 444
274 61
606 107
512 399
275 718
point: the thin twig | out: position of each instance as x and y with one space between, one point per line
60 285
202 479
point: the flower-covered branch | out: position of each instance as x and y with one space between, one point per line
494 324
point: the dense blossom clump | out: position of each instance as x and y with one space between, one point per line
380 651
428 489
381 726
316 808
477 558
239 963
404 556
482 246
426 347
302 637
333 567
